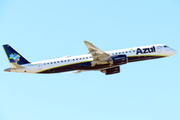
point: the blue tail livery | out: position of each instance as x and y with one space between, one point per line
14 56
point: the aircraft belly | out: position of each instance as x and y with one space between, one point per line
87 65
79 66
144 57
61 69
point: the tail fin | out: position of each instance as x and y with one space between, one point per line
14 56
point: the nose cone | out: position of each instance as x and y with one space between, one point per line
7 70
175 52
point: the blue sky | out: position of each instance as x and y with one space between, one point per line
41 30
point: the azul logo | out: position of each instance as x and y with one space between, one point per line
145 50
15 57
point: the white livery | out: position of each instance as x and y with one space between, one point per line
107 62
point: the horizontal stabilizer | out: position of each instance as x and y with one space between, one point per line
79 71
15 66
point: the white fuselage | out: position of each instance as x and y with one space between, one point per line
151 51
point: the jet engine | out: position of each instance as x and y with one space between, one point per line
118 60
111 70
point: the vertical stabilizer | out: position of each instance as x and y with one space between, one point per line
14 56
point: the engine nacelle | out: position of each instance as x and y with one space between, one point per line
111 70
118 60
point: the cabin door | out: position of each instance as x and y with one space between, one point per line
159 49
39 66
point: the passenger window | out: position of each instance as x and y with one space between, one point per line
65 61
77 59
51 63
119 52
68 60
47 63
58 61
116 53
80 58
54 62
61 61
130 51
73 59
126 52
44 63
83 58
86 57
112 53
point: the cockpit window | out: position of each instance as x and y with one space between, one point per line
166 46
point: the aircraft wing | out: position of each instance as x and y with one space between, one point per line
99 56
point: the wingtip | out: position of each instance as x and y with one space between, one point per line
85 41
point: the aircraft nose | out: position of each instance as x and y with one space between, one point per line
175 52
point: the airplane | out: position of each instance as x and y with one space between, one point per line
96 60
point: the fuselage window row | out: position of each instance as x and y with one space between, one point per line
68 60
88 57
